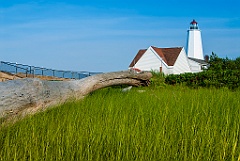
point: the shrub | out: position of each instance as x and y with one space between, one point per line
209 78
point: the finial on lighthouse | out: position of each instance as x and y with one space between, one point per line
194 25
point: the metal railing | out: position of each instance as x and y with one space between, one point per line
15 68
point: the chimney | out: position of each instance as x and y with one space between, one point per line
206 58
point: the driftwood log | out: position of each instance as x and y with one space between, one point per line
28 95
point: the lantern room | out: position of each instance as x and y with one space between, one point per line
194 25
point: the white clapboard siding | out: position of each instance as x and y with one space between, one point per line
150 61
181 65
194 66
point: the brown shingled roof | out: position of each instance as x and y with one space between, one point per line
169 55
137 57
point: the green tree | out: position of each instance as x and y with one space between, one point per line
215 62
237 63
222 64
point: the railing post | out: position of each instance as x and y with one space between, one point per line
16 68
26 71
30 70
33 73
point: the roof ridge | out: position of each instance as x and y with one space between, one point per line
168 47
160 53
169 55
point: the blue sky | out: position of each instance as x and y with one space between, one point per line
105 35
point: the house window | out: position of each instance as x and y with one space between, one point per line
204 67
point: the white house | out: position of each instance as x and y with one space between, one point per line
173 60
167 60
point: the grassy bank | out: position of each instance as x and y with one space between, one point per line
164 123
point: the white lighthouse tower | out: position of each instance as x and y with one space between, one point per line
194 42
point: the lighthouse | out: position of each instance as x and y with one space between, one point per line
194 42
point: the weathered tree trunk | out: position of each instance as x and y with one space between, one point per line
29 95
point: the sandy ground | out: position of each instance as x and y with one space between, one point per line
4 76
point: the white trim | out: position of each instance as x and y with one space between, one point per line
150 48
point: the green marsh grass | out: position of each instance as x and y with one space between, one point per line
166 123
